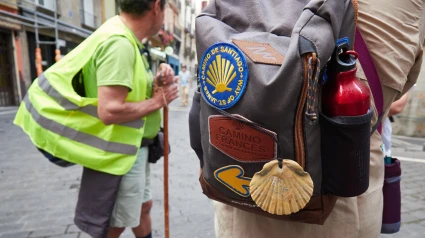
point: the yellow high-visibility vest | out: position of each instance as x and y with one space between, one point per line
66 125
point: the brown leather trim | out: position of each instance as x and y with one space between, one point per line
315 212
260 52
299 135
356 10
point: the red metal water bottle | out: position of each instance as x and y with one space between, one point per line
343 93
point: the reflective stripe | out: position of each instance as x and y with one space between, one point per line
393 180
78 136
91 110
44 84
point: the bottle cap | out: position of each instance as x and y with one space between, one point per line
343 59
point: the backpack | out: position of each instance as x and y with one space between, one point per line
261 64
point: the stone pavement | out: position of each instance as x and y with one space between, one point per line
37 199
410 152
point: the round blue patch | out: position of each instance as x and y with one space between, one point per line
223 74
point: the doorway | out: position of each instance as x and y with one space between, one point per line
7 97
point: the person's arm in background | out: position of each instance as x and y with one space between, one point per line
399 105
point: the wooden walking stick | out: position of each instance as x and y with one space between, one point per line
166 148
166 151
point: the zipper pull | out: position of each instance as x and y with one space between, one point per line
313 87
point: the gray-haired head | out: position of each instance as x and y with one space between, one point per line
138 7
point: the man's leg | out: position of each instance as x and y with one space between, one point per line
114 232
182 94
96 199
127 210
144 230
186 95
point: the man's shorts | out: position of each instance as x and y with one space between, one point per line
134 190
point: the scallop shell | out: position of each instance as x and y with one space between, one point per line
281 191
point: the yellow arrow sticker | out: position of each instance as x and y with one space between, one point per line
232 177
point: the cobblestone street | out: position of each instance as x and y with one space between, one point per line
37 199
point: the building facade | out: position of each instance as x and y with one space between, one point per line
10 50
187 56
191 9
58 25
36 33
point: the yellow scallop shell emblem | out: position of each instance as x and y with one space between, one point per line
281 191
223 75
220 74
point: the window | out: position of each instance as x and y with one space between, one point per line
188 24
49 4
87 13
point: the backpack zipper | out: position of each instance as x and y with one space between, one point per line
299 131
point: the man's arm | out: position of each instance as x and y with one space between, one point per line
114 62
113 109
399 105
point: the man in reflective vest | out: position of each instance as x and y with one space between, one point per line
98 106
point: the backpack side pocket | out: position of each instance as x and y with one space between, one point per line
345 154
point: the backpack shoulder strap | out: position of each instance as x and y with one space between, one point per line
370 70
372 76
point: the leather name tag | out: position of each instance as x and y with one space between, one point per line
241 141
260 52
